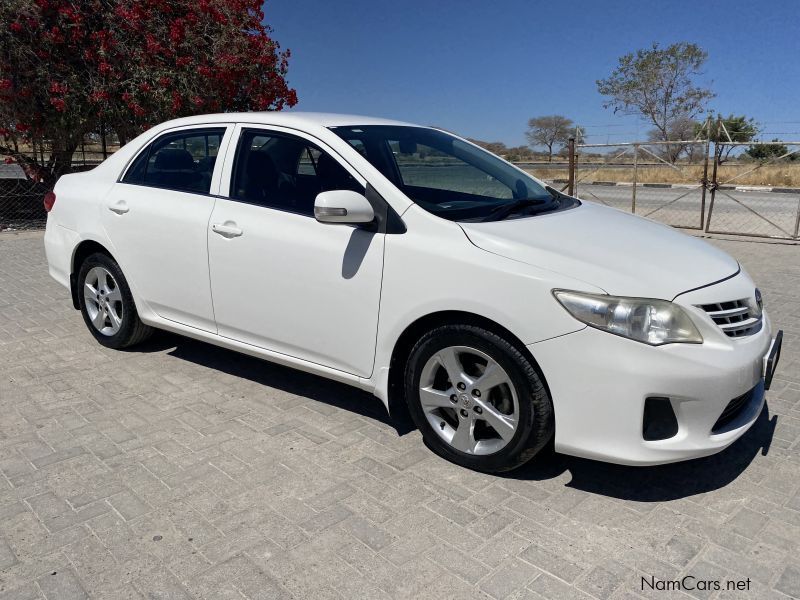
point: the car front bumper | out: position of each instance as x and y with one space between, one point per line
599 384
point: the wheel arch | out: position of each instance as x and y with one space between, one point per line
402 348
82 251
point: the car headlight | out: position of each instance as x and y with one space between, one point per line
647 320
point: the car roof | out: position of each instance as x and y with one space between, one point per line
289 118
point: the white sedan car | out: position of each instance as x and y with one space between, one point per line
409 262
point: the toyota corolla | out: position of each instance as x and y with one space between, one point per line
408 262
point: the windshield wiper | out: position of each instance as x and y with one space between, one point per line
499 213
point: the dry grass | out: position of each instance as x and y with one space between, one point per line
787 175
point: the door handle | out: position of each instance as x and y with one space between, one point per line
121 207
227 229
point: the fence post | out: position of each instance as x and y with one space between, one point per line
635 171
713 189
571 147
705 183
103 139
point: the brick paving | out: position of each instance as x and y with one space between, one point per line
181 470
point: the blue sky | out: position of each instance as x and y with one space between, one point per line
483 68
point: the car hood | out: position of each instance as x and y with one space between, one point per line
623 254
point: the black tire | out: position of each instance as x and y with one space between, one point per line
535 424
132 331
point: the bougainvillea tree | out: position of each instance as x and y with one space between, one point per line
70 67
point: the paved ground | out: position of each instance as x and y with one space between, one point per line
181 470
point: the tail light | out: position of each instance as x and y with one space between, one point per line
49 201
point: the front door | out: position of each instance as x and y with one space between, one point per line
157 218
280 279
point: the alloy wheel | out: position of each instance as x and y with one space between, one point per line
103 301
469 400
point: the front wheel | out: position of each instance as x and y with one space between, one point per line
477 399
107 305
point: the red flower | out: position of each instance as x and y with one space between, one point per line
99 96
176 31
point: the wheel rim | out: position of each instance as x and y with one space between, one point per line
103 301
469 400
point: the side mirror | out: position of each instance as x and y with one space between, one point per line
343 206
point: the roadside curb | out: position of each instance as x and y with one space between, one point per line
737 188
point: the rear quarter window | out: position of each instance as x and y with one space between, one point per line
182 161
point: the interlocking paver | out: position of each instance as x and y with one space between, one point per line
180 470
789 582
62 585
509 578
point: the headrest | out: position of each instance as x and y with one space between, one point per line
174 159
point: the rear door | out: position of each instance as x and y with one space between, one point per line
157 216
280 279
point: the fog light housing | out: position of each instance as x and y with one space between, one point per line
659 421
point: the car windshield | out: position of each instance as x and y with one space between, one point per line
450 177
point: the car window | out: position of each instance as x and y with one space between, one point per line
181 161
422 166
449 177
285 172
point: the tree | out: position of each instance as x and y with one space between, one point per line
498 148
681 129
516 153
519 153
739 129
767 152
550 131
658 85
68 69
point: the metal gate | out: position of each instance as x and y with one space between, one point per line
638 177
698 191
755 210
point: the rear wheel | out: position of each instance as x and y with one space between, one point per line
477 399
107 305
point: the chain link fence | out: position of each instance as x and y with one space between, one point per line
716 187
21 197
20 200
685 184
760 209
645 178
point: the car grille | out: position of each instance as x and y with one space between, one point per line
732 410
735 318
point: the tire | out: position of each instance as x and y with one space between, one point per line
111 296
520 399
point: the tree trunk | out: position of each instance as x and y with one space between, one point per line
60 161
550 153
